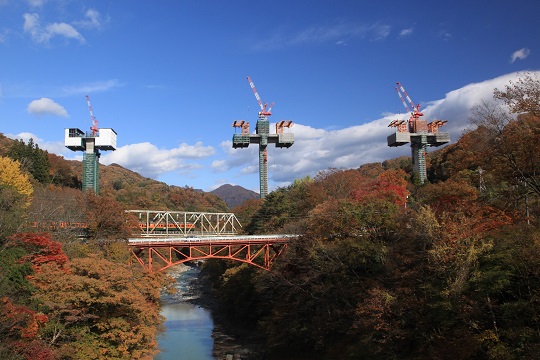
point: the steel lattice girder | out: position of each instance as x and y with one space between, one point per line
168 223
160 256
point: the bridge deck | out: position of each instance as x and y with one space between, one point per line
211 240
158 254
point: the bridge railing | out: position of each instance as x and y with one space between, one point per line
158 223
215 239
158 254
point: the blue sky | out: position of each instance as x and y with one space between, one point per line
170 76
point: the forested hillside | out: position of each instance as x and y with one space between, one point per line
67 297
385 269
116 182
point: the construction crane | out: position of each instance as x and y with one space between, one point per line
418 132
94 126
263 111
262 137
414 110
90 144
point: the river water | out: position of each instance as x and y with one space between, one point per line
188 327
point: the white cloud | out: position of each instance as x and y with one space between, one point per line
406 32
219 165
520 54
54 147
29 89
314 149
445 35
63 29
43 35
4 35
97 86
379 31
46 106
337 34
31 24
146 159
36 3
319 149
155 86
93 20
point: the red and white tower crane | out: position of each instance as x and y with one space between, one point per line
94 126
418 133
264 111
90 144
414 109
262 137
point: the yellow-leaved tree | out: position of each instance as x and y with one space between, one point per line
15 197
11 176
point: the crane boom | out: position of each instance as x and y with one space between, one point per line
415 110
403 100
252 85
406 95
94 126
269 110
257 96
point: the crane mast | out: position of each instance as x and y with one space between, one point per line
417 132
262 137
90 143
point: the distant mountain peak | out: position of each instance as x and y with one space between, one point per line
234 195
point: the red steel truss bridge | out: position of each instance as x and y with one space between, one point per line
168 238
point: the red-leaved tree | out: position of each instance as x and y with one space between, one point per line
42 249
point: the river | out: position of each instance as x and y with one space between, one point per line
188 327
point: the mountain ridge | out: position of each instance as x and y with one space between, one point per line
234 195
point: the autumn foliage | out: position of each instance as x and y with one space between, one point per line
12 176
390 186
89 307
20 320
117 315
41 250
386 269
382 268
